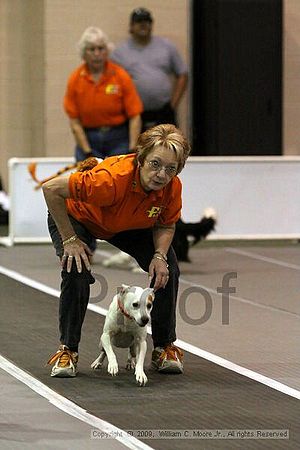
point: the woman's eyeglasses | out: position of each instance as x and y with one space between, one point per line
157 167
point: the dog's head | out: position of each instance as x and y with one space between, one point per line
137 302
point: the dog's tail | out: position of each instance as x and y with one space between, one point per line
200 230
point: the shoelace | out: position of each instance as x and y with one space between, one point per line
171 352
63 356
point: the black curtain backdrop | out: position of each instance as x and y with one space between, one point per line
237 77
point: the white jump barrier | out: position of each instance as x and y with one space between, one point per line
254 197
28 210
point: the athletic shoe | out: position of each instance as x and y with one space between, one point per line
65 362
168 359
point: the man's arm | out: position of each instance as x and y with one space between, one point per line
179 88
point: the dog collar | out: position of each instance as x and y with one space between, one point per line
123 310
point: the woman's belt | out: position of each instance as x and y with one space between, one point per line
104 129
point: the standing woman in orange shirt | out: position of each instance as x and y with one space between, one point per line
101 101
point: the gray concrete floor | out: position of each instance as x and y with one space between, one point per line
28 421
261 332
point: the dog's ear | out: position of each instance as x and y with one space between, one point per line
121 290
150 293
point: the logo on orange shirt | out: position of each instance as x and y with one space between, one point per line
111 89
154 211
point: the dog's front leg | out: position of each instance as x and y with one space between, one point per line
112 367
140 375
131 357
97 364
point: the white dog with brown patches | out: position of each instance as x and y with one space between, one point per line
125 327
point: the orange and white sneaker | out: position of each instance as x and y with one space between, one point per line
168 359
65 362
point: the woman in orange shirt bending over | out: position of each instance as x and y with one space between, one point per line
101 101
133 202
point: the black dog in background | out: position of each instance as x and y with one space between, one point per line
186 234
189 233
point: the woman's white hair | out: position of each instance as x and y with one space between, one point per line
90 36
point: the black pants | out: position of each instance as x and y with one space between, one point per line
164 115
75 287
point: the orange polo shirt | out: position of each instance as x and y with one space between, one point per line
109 198
109 102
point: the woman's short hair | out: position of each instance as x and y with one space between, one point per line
90 36
166 136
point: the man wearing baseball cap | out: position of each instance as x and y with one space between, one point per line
140 14
151 60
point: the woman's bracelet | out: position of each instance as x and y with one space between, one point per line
161 259
163 255
70 240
